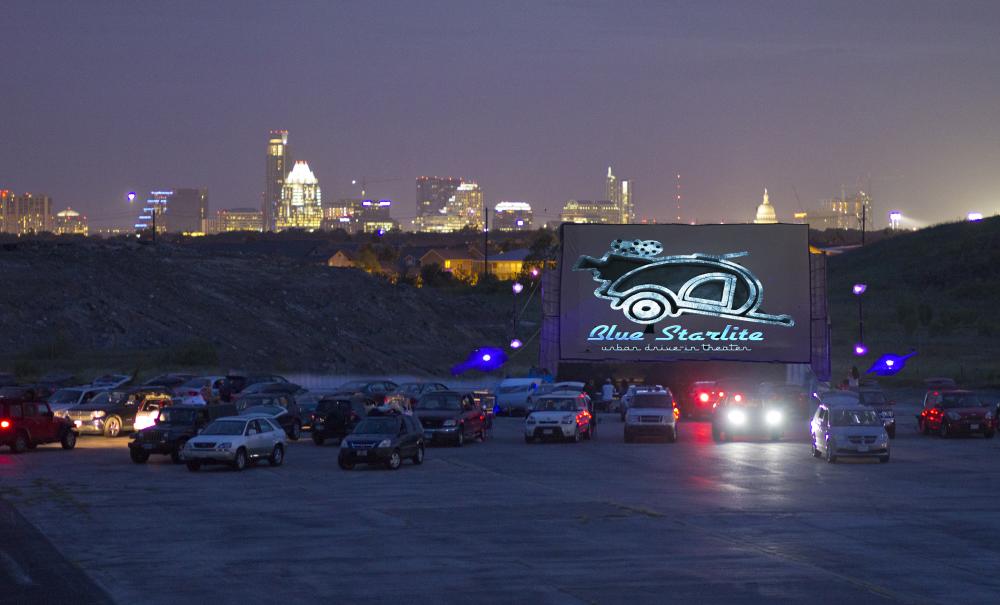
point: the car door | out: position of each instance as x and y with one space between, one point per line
254 438
47 426
408 442
472 416
815 428
266 437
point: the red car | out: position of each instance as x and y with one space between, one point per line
27 424
955 412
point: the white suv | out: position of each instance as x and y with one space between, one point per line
653 413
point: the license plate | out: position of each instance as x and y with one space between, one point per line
973 427
361 452
862 448
147 446
549 431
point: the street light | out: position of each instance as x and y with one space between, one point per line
535 272
516 343
860 349
518 287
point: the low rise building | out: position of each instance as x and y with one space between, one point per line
70 222
586 211
512 216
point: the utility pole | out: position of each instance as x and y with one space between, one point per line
864 219
486 241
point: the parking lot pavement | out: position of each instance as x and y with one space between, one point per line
503 521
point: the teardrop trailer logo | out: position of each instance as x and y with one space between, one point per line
649 288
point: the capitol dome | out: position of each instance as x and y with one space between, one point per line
765 212
68 213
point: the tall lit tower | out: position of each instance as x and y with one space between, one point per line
621 192
301 204
279 161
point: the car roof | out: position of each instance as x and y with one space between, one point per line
240 418
519 381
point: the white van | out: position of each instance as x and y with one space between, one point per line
512 395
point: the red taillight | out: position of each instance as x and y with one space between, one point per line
703 397
4 424
722 393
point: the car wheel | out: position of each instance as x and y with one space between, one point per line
988 434
460 437
296 431
883 459
529 439
418 458
175 456
318 439
672 435
922 427
776 437
830 456
716 434
68 440
815 450
240 461
482 435
891 432
944 431
20 444
277 456
113 427
395 461
194 466
138 456
344 464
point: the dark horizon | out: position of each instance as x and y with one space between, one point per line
531 100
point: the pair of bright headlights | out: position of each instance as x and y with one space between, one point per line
739 417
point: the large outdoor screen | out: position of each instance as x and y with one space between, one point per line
685 292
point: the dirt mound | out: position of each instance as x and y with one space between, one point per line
173 305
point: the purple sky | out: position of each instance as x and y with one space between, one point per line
531 99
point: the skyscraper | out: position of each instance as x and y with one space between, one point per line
279 159
301 205
622 193
181 210
465 208
25 214
433 193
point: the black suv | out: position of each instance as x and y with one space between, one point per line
383 439
174 426
111 413
450 416
335 418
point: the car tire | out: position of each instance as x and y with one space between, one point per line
241 461
883 459
318 439
418 458
482 435
277 455
194 466
175 456
988 434
296 431
529 439
138 456
20 443
113 427
577 437
776 437
68 440
716 434
922 427
395 461
830 456
944 431
672 435
891 432
460 436
344 464
815 450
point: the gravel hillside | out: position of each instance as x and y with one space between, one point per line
62 302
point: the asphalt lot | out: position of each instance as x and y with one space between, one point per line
502 522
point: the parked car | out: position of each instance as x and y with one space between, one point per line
413 390
450 417
193 391
797 400
512 395
236 441
700 399
286 388
652 413
377 391
842 427
173 427
955 412
281 408
560 416
25 425
386 440
112 381
626 399
169 381
554 387
63 399
876 399
113 413
26 392
335 418
745 414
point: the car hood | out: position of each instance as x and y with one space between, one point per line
234 439
856 431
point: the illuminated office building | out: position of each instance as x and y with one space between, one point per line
603 212
433 193
301 200
70 222
25 214
512 216
621 192
279 160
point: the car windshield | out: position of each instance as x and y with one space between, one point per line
65 396
354 385
269 410
854 418
176 416
328 405
410 388
563 404
377 426
308 406
652 400
961 400
258 400
225 427
874 398
440 401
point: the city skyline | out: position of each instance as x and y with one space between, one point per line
732 96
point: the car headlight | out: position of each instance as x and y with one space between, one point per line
224 446
954 416
568 419
773 417
99 414
450 422
385 443
736 416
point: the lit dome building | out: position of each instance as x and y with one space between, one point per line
70 222
301 202
765 212
512 216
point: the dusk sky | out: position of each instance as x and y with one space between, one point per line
533 100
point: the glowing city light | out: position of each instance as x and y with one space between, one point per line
131 196
860 350
516 344
859 289
518 287
535 272
890 364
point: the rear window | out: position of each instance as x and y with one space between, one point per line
652 400
961 400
